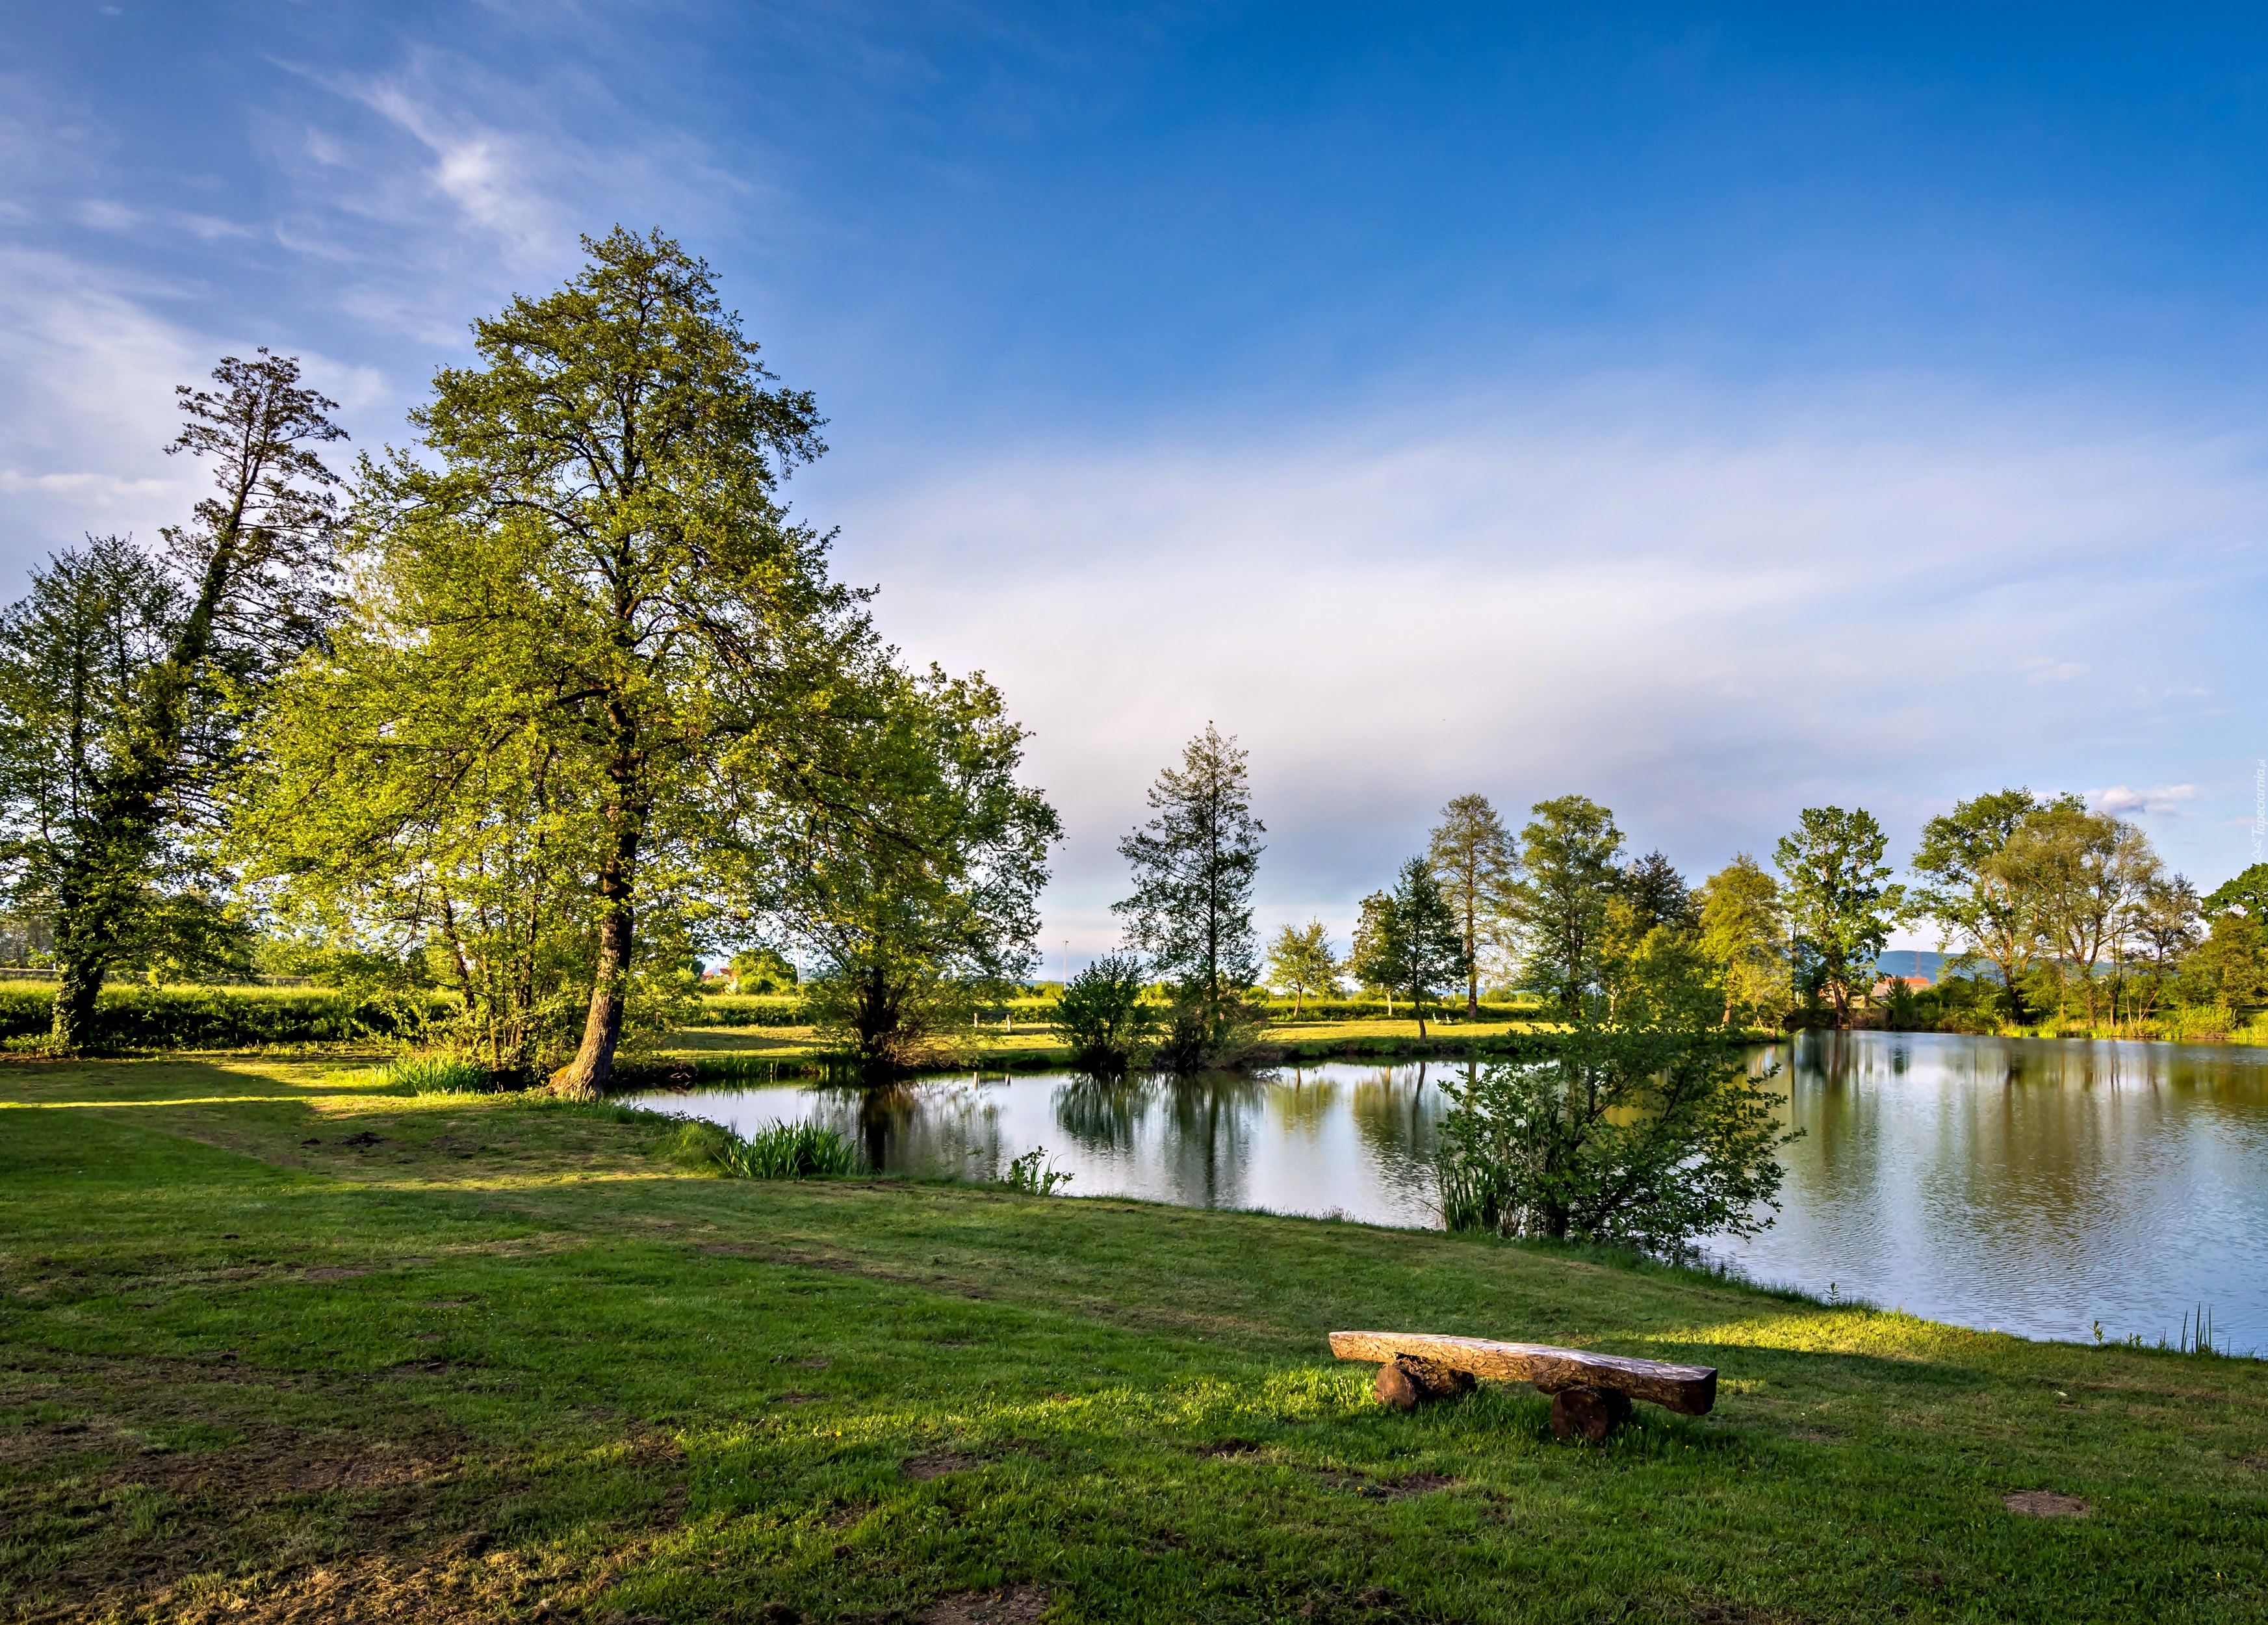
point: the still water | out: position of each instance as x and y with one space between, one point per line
2037 1186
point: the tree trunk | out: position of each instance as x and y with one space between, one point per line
585 1077
1472 962
80 979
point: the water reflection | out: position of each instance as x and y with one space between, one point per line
2029 1186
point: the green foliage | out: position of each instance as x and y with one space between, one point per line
761 970
131 1017
1203 1032
1840 900
1569 852
1411 941
1035 1174
1982 911
918 880
2247 892
1744 937
435 1075
2229 968
1101 1015
751 1010
1476 861
790 1151
2079 873
123 683
1648 1136
1302 964
1194 865
587 655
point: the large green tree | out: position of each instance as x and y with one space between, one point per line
1477 862
123 684
1981 911
922 890
1194 864
2077 872
2247 892
1412 941
1569 852
1302 962
1744 937
1840 899
585 639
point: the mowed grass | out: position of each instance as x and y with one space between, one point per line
276 1347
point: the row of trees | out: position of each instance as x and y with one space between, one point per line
2049 907
538 707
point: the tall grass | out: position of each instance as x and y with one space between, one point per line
433 1075
790 1151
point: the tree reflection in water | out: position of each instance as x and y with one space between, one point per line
2033 1185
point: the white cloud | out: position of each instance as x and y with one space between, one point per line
1706 628
2164 799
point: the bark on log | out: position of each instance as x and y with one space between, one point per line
1689 1390
1589 1414
1405 1382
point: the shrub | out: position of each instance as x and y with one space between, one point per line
1102 1017
1644 1136
790 1151
752 1010
131 1016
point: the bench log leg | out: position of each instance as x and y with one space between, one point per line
1589 1414
1406 1382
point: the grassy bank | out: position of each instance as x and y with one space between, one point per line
720 1052
274 1346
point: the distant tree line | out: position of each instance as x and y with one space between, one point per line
2050 915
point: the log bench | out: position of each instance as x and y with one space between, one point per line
1591 1393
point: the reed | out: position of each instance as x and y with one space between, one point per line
791 1151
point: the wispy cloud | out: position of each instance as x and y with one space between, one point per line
2163 799
1708 628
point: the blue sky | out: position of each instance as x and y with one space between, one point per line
1714 412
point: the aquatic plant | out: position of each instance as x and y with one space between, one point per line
790 1151
1033 1174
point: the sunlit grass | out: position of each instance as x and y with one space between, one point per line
328 1346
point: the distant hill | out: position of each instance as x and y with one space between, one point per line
1911 962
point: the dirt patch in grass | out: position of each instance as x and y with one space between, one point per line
1229 1447
936 1464
1387 1488
2045 1503
1011 1605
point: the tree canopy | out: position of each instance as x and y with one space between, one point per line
588 658
1194 864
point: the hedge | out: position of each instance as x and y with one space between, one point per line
749 1010
128 1017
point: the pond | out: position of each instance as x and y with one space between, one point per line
2035 1186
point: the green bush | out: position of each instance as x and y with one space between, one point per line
1102 1017
750 1010
131 1016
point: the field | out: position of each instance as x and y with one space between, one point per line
276 1345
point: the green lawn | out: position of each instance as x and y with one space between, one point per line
272 1349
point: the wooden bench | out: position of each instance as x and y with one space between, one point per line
1591 1393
